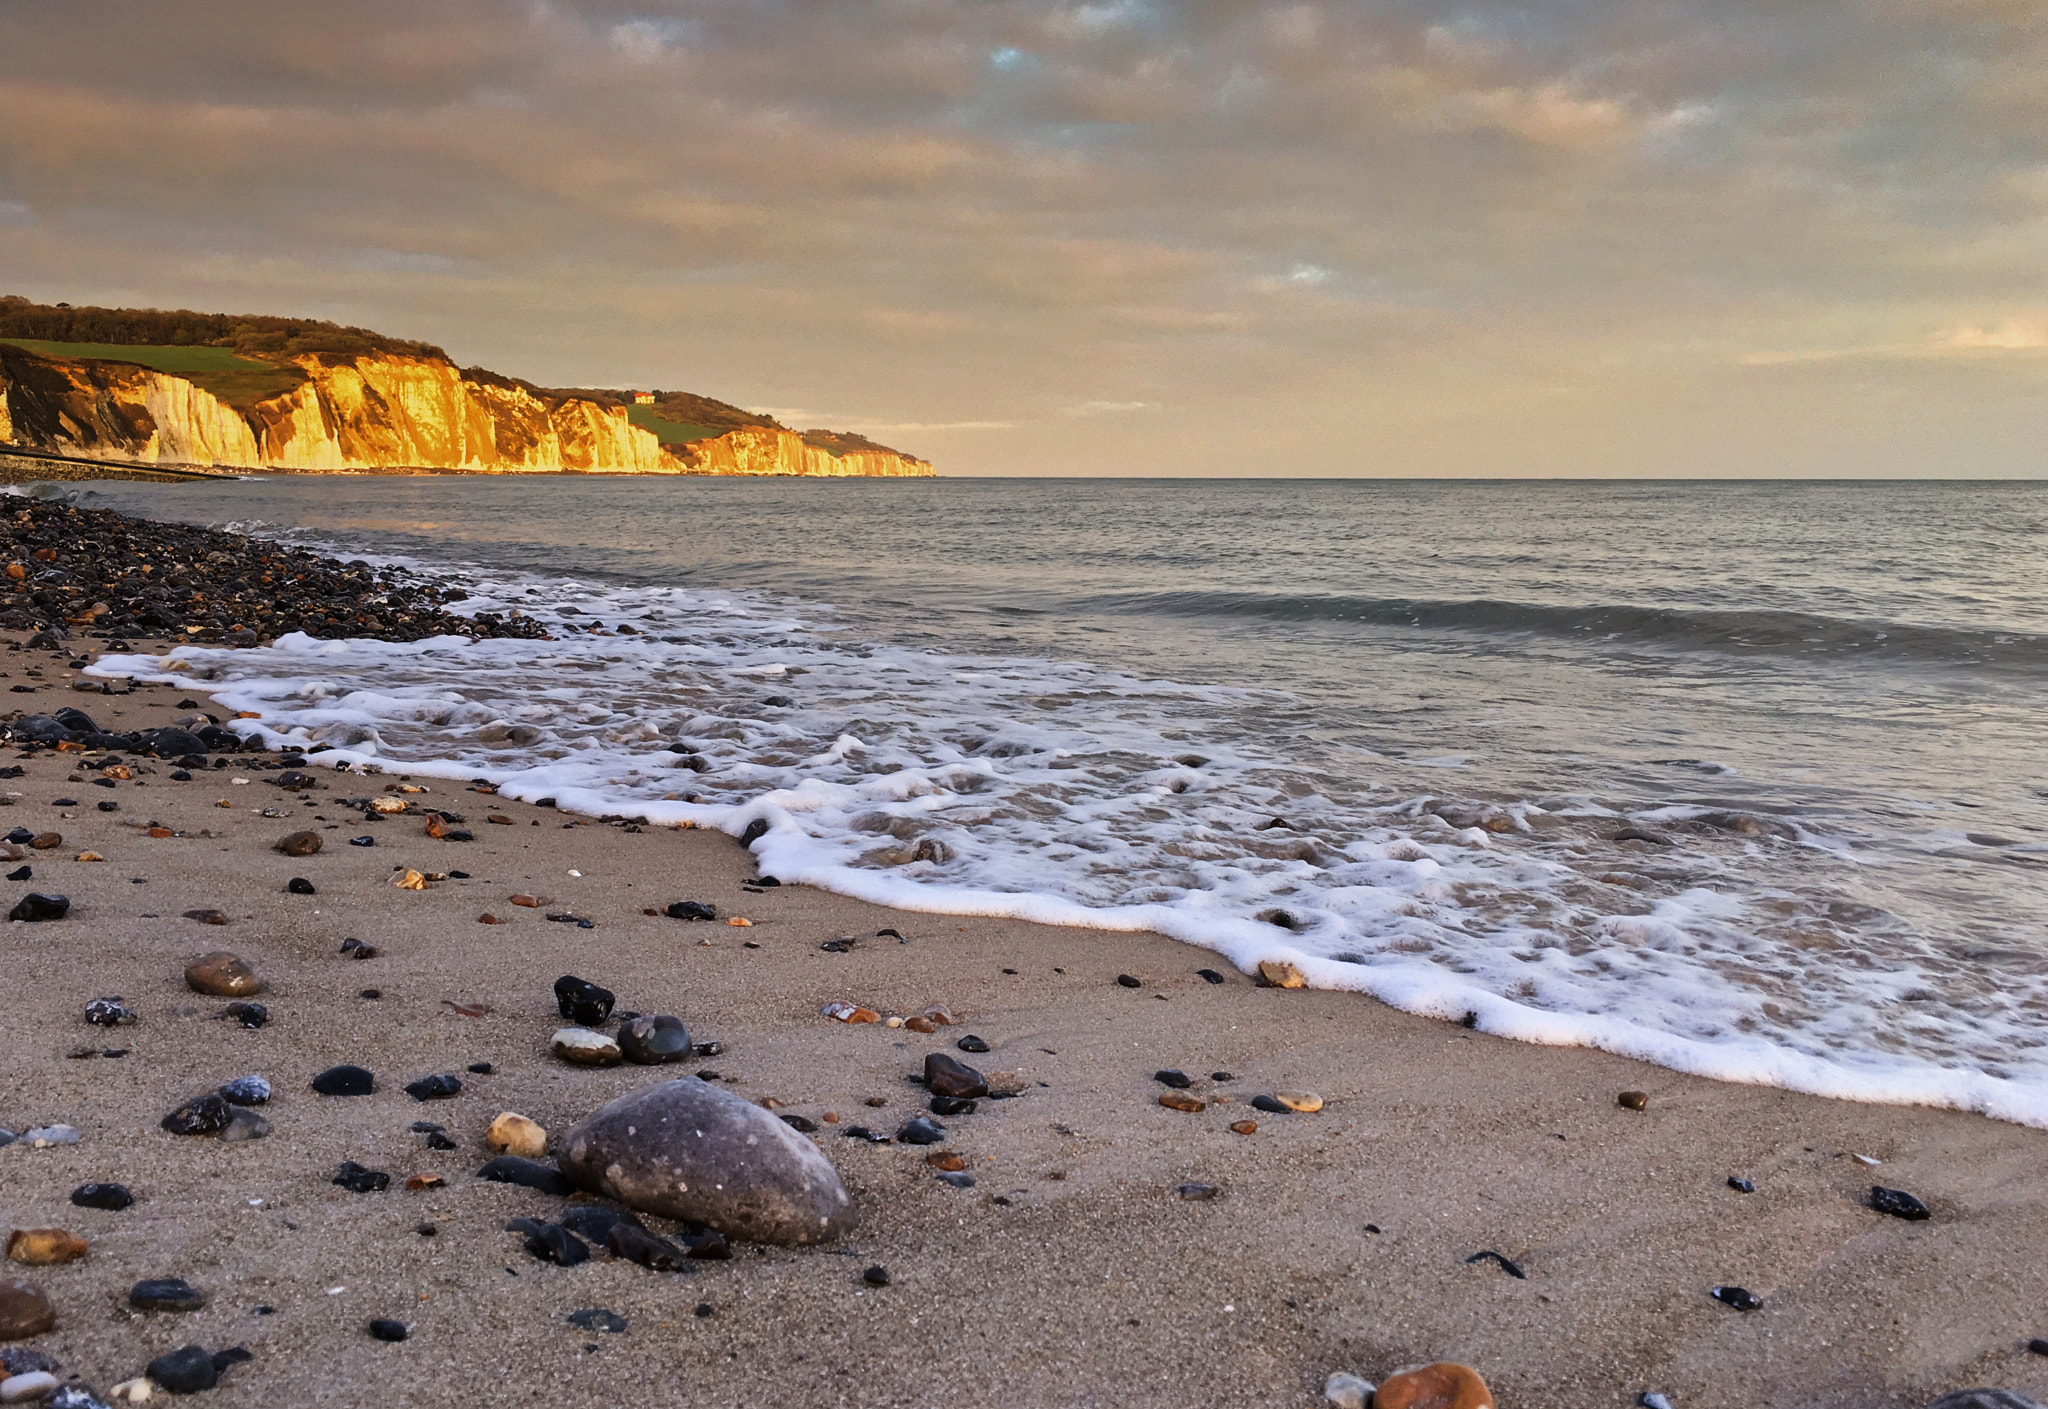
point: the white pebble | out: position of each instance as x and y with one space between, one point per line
1866 1159
1653 1400
577 874
139 1390
44 1136
19 1389
1348 1391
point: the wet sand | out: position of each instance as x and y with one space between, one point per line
1071 1274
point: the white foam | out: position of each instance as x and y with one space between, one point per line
1058 792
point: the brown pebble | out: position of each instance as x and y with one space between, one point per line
830 1117
876 1101
223 975
1181 1101
920 1024
1440 1386
161 832
207 917
299 844
24 1311
531 902
947 1160
1634 1100
1245 1127
48 841
488 919
419 1182
44 1247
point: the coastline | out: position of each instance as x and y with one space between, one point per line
1024 1287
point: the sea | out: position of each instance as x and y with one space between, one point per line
1747 779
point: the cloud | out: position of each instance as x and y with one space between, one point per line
1109 408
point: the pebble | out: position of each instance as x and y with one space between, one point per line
550 1242
20 1360
108 1012
957 1181
514 1134
1741 1186
33 907
1181 1101
1277 973
249 1015
420 1183
165 1294
1306 1102
1271 1105
24 1311
185 1371
1741 1298
691 910
1196 1193
440 1087
527 1173
581 1001
1898 1203
299 885
299 844
596 1318
44 1247
106 1196
386 1329
945 1077
2038 1346
581 1046
345 1080
1348 1391
44 1136
840 1011
1634 1100
362 841
202 1115
972 1044
223 975
920 1024
691 1150
1650 1399
1178 1080
651 1039
803 1125
21 1389
634 1243
244 1125
246 1091
1443 1385
1209 976
954 1105
1984 1399
946 1160
1245 1127
358 1180
207 917
1127 981
876 1276
920 1131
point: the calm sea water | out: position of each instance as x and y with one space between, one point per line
1092 699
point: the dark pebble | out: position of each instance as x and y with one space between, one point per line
385 1329
358 1180
249 1015
2038 1346
1633 1100
107 1196
21 873
691 910
233 1355
954 1105
958 1181
344 1081
1269 1105
551 1242
373 994
362 841
592 1221
1221 1076
185 1371
481 1068
531 1174
434 1088
425 1127
299 885
971 1043
920 1131
1178 1080
1196 1193
110 806
861 1132
876 1276
33 907
756 829
1741 1186
165 1294
596 1318
581 1001
245 1091
426 1230
108 1012
1512 1268
1741 1298
438 1141
1209 975
704 1308
1128 982
202 1115
651 1040
803 1125
649 1250
1898 1203
945 1077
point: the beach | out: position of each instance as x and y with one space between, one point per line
1072 1272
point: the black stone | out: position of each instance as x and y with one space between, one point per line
550 1242
1269 1105
358 1180
959 1180
1741 1298
185 1371
250 1015
581 1001
1221 1076
692 910
2037 1346
954 1105
1489 1255
1741 1186
425 1127
299 885
108 1012
652 1040
165 1294
434 1088
1127 981
945 1077
202 1115
596 1318
110 806
971 1043
362 841
1178 1080
107 1196
22 873
877 1276
920 1131
756 829
344 1081
861 1132
1898 1203
438 1141
385 1329
481 1068
636 1244
21 836
592 1221
1209 975
233 1355
531 1174
34 906
802 1125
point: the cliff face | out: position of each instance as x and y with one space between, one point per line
377 412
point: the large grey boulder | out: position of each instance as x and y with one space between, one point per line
1984 1399
689 1149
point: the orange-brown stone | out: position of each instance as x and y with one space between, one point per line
1443 1385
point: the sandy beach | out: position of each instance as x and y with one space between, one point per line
1071 1273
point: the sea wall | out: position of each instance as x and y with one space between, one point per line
377 413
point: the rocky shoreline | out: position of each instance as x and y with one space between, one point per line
73 572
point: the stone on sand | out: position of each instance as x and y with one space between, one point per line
1443 1385
44 1247
223 975
24 1311
514 1134
691 1150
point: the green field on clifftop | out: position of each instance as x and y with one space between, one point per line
670 432
239 381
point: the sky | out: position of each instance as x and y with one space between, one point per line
1659 238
